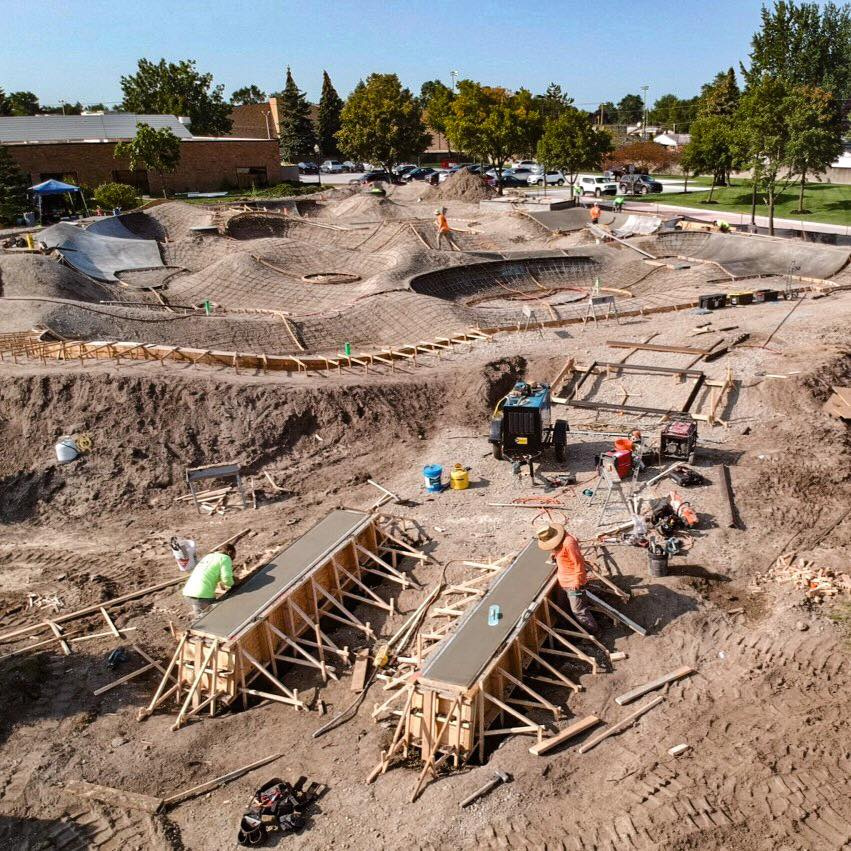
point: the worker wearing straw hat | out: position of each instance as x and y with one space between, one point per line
572 571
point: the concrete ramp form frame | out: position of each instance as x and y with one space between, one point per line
101 255
475 684
282 616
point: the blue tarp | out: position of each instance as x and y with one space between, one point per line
53 187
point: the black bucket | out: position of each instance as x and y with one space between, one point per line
657 565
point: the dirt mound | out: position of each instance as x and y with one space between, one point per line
462 186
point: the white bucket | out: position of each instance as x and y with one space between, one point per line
66 449
183 550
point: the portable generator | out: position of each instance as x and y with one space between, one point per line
522 426
679 439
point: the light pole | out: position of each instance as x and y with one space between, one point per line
644 112
318 165
454 75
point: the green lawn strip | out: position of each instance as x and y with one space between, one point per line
825 202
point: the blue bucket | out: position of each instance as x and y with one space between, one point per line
433 478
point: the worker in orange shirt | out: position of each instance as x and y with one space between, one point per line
443 229
572 573
595 213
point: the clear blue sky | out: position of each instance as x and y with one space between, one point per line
597 51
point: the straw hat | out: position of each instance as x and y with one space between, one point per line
550 536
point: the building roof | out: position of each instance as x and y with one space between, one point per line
673 139
109 127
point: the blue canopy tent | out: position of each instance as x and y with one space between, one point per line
55 187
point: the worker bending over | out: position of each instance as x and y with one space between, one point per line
572 571
216 567
617 204
443 229
595 213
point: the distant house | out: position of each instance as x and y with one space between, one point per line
673 141
640 130
840 170
80 149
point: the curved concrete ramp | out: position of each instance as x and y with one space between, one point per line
743 256
99 256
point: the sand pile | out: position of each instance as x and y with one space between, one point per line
462 186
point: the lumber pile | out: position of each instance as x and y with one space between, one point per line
216 500
817 583
839 404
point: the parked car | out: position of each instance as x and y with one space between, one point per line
307 168
512 181
596 186
554 178
332 167
523 173
638 184
524 164
349 165
417 174
403 168
375 177
437 176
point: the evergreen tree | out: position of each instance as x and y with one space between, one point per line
330 107
721 96
298 137
13 189
5 105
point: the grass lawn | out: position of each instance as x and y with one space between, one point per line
825 202
282 190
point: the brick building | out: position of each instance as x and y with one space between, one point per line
80 149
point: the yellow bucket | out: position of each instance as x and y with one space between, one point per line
458 478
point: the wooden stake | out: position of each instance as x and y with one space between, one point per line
567 733
678 674
621 725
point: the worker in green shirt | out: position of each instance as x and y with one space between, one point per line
617 206
215 567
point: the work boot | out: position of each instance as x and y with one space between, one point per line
589 622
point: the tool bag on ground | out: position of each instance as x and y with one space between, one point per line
276 805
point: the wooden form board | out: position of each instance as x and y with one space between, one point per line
224 657
598 367
452 721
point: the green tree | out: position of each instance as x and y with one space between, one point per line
23 103
96 107
711 149
13 189
530 119
382 122
554 102
437 100
630 109
488 123
570 144
177 88
330 108
673 113
816 134
808 44
763 134
248 95
62 109
298 138
606 113
5 105
112 195
154 150
721 96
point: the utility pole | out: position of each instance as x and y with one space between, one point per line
644 99
454 75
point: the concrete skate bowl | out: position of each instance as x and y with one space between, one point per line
170 220
752 256
284 275
99 256
505 292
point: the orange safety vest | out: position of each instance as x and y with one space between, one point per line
442 224
572 569
595 214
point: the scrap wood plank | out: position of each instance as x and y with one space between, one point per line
125 678
194 791
678 674
360 670
655 347
567 733
115 797
621 725
615 613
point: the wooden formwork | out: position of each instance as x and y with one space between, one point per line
279 617
452 720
